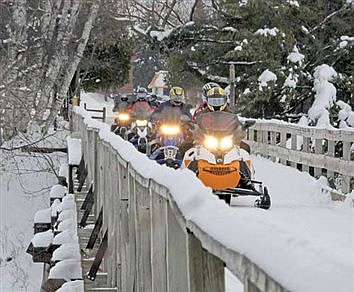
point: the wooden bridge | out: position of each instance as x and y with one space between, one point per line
136 232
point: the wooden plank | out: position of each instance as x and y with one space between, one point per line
318 150
158 241
98 258
293 147
95 231
283 144
143 238
132 236
211 276
306 148
321 161
177 263
331 153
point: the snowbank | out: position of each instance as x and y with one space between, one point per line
43 216
67 270
43 239
67 251
58 191
72 286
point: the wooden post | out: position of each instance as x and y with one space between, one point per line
307 149
232 88
132 236
206 272
331 153
318 150
177 253
293 147
346 156
143 235
123 266
283 144
158 241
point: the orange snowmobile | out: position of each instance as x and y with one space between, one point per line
220 163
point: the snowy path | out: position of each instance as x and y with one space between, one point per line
304 236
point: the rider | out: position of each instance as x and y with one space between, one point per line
141 100
203 105
177 100
176 106
121 102
216 100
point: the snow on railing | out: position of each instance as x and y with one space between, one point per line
158 221
319 151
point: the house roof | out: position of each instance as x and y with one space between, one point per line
159 80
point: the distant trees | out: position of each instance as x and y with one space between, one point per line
42 42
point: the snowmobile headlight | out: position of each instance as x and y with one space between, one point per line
123 117
226 143
211 142
141 123
170 130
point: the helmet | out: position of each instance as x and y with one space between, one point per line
177 95
141 94
208 86
216 99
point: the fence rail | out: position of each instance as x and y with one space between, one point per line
317 151
152 246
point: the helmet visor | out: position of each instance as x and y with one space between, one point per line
216 101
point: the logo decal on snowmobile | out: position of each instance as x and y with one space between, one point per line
220 170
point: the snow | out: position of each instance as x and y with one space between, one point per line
74 151
63 170
72 286
291 80
67 251
68 205
43 239
345 115
58 191
229 28
304 29
160 35
232 284
43 216
266 77
67 224
267 31
56 207
66 236
325 95
238 48
24 189
67 269
296 57
293 3
67 214
302 242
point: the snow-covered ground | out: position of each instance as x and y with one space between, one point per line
25 182
303 236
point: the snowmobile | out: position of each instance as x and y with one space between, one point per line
140 131
121 123
220 163
170 134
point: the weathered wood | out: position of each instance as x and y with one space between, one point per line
143 235
318 150
293 147
206 271
177 255
88 198
132 235
306 149
95 231
158 240
98 258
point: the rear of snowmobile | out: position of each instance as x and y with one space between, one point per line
220 163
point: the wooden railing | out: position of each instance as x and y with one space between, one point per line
152 244
326 152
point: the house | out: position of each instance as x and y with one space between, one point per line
158 84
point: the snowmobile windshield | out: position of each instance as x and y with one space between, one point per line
141 110
170 114
218 123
